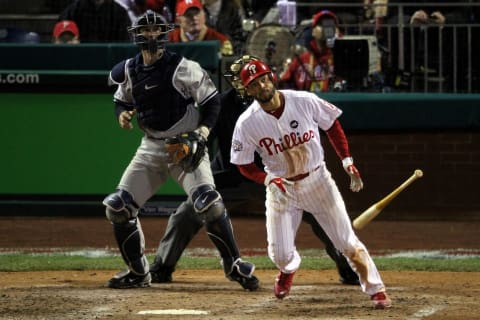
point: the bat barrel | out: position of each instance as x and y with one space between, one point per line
365 217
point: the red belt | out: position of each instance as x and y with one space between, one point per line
301 176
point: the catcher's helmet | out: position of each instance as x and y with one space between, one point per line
152 20
232 75
253 70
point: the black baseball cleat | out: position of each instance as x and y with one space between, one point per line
161 276
349 277
127 280
242 272
161 273
350 281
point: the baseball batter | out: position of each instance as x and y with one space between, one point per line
282 126
176 104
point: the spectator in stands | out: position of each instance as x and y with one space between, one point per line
423 28
66 32
133 9
98 20
428 64
257 9
18 35
193 27
224 16
429 14
313 69
137 7
421 17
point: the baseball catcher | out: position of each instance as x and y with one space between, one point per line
176 104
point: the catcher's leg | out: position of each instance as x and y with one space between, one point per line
207 201
347 275
182 226
122 211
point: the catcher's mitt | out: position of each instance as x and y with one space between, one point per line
186 150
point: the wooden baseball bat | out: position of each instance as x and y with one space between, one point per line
366 216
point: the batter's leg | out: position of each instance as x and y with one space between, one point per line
331 213
282 223
347 275
182 226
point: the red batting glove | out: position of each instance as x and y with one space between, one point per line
356 183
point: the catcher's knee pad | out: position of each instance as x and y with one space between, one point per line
120 206
208 201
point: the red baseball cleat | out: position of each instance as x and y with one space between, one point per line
381 300
282 285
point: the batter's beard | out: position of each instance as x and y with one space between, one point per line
265 96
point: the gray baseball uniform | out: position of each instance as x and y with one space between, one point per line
171 96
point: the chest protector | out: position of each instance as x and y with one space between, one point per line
159 104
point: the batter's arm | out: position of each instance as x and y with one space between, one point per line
252 172
276 185
338 140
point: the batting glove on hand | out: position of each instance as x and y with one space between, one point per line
356 183
277 187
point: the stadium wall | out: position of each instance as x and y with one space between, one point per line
70 144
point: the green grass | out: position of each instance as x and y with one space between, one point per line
62 261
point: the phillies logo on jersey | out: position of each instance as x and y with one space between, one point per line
290 140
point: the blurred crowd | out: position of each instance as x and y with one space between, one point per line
308 63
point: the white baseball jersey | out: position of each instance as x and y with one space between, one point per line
289 146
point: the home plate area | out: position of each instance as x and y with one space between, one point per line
207 294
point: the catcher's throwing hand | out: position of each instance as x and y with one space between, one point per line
356 183
277 187
125 119
186 150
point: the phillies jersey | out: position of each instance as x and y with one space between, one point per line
290 145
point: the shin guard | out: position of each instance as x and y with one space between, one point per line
131 244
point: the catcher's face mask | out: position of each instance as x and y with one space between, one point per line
150 31
232 75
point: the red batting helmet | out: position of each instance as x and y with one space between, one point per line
253 70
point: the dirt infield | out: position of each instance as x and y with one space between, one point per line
315 294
